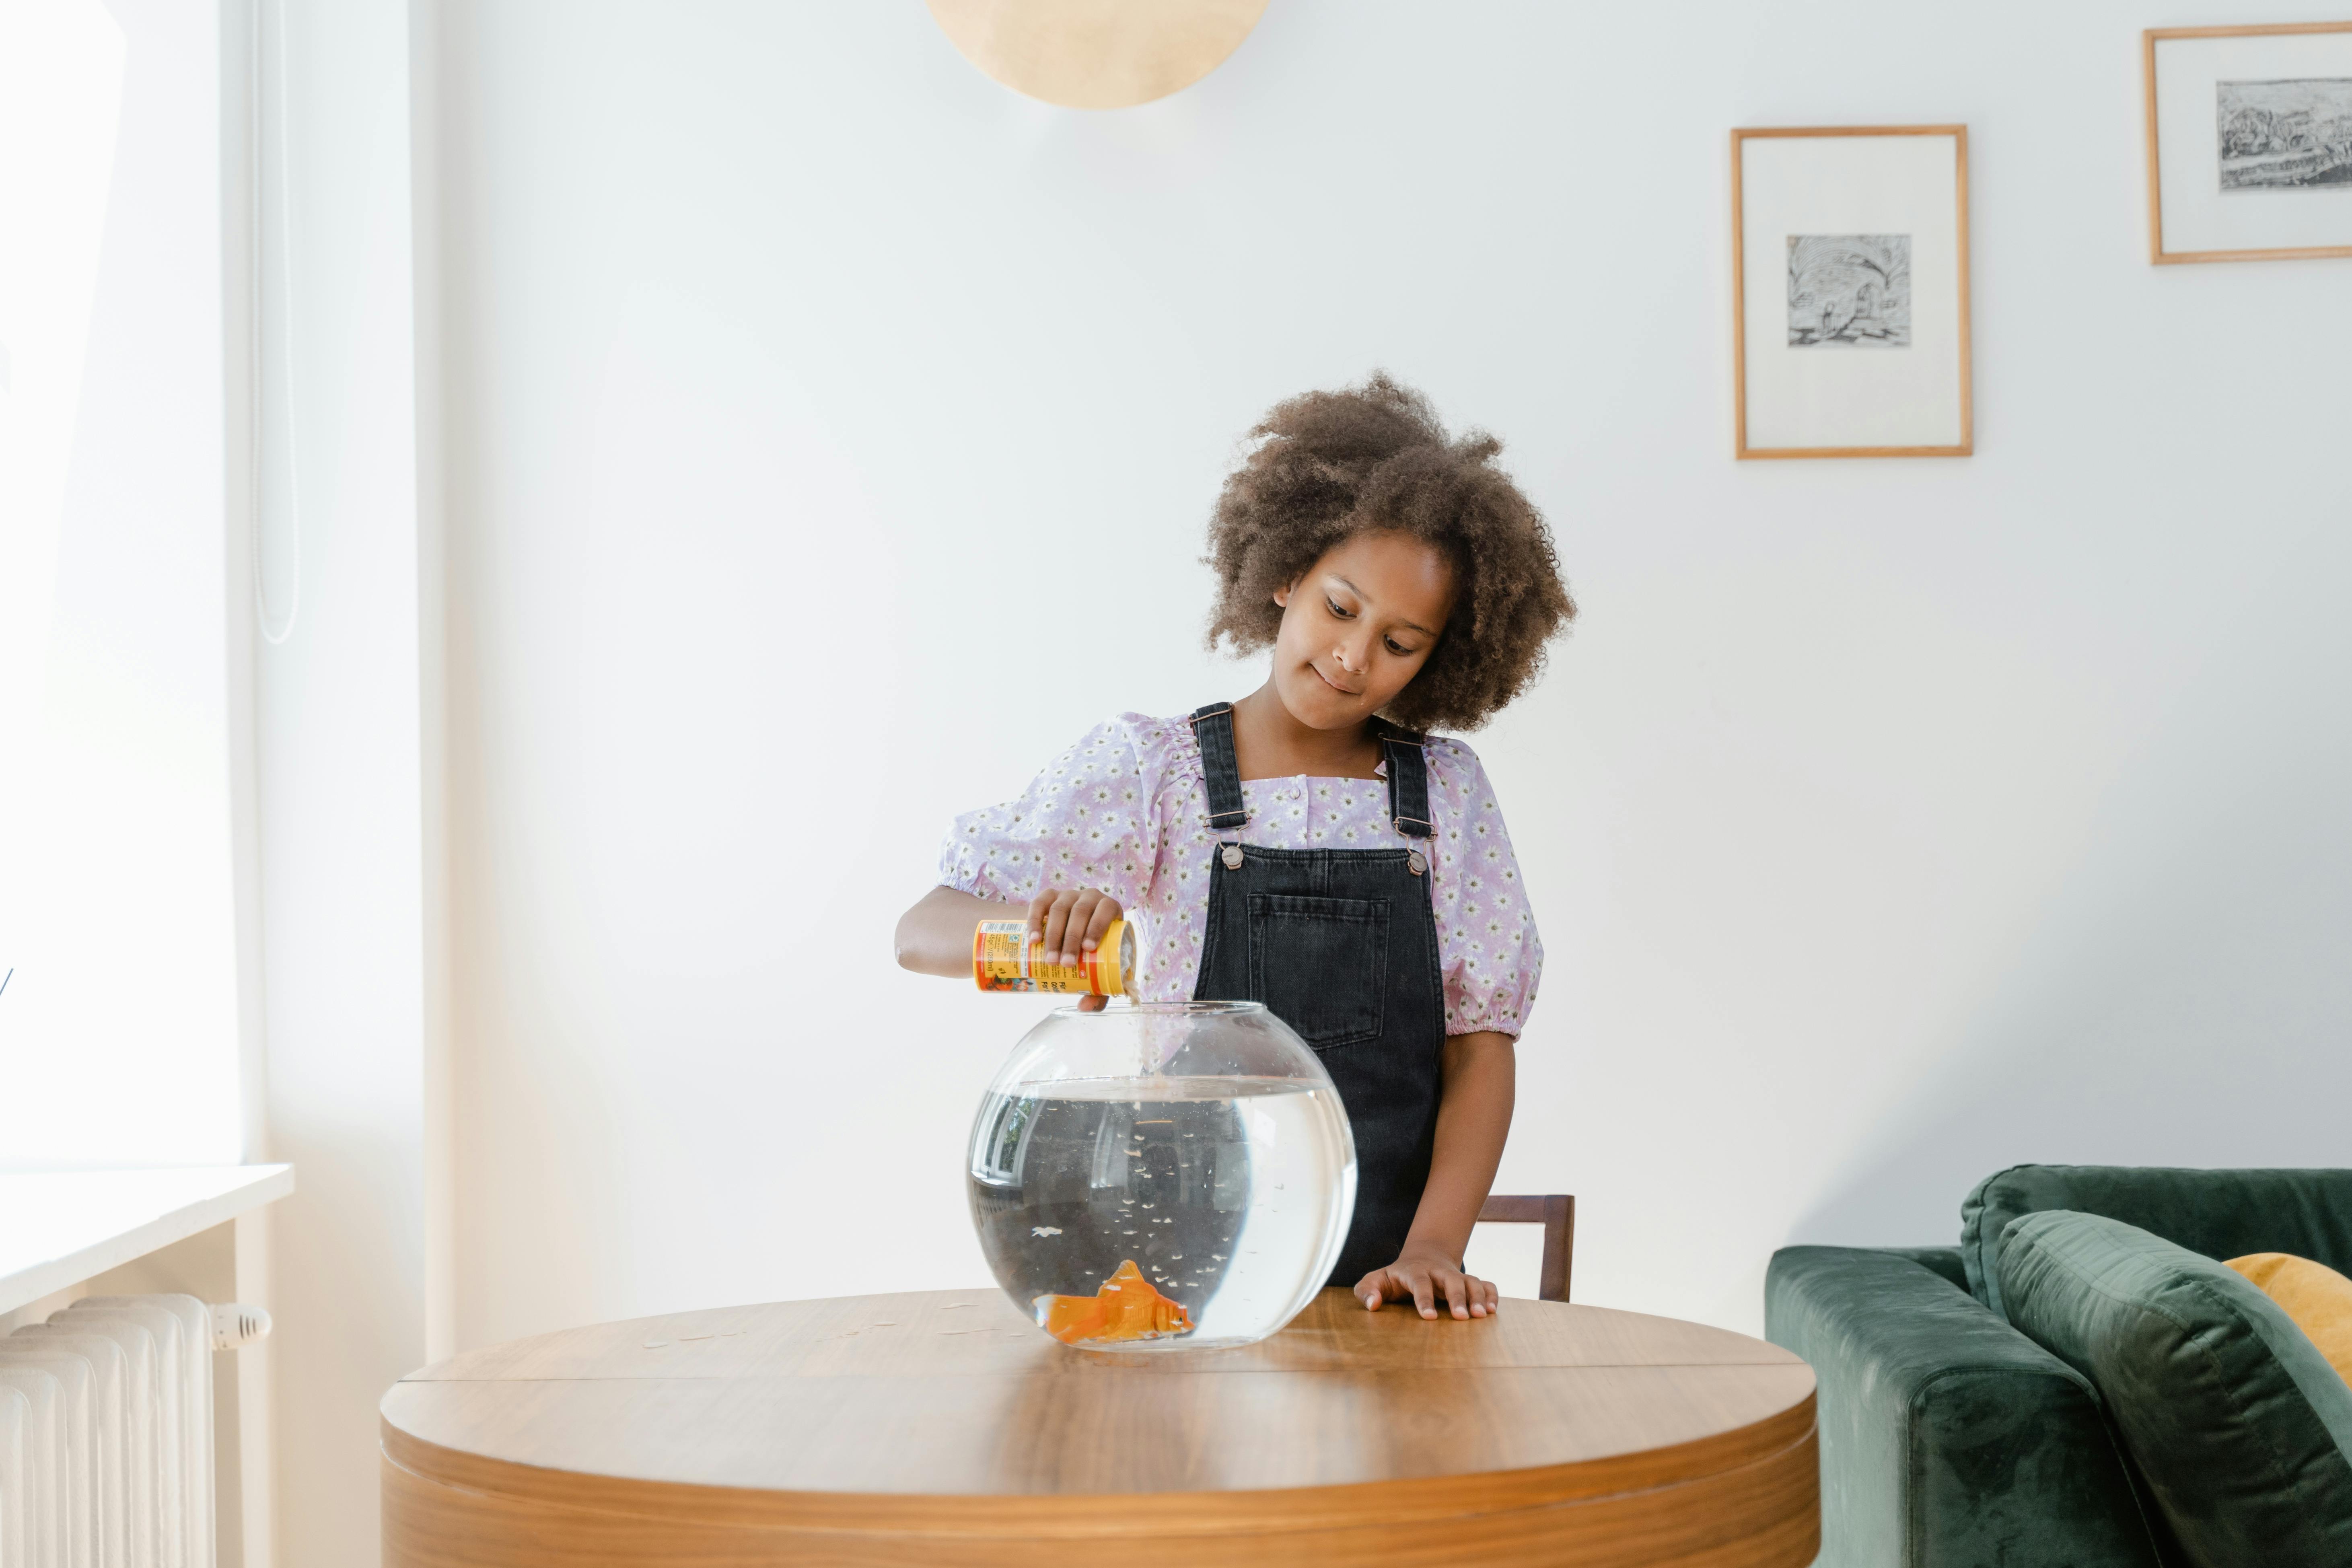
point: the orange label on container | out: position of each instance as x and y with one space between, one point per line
1003 959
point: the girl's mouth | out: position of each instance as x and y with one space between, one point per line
1328 681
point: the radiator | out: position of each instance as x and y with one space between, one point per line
106 1432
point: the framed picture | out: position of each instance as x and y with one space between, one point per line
1850 291
2249 142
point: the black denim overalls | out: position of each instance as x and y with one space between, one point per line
1341 945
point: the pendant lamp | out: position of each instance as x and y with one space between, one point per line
1097 54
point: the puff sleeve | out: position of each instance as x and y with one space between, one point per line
1490 956
1085 821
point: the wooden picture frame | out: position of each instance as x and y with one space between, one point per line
2157 253
1954 413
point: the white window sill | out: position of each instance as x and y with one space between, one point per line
59 1227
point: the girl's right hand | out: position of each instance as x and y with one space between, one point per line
1068 923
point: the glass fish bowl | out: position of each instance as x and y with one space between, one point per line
1161 1176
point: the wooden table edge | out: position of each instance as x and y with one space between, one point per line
1787 1434
499 1363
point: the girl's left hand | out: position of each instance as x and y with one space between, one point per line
1424 1277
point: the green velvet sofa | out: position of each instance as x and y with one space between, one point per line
1951 1439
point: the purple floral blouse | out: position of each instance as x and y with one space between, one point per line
1125 811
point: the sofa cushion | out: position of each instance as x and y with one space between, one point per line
2240 1430
2221 1213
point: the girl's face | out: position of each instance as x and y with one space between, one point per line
1358 625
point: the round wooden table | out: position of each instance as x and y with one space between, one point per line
943 1429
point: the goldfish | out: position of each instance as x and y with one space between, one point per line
1127 1306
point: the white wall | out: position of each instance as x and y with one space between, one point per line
117 909
830 433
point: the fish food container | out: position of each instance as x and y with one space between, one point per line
1161 1176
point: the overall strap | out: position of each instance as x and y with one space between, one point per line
1408 777
1213 726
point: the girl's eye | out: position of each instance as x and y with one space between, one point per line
1397 647
1333 606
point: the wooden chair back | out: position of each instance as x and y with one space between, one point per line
1556 1212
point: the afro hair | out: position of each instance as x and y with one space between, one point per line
1328 464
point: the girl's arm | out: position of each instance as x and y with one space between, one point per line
935 934
1474 1117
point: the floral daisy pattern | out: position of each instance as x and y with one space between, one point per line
1125 811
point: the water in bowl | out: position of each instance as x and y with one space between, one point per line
1227 1194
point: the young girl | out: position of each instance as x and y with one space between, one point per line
1309 847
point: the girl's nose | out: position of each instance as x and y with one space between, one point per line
1351 665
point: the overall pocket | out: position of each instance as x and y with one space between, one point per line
1320 966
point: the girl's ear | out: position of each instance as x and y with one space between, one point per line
1282 595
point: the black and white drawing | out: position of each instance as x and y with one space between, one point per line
1849 291
2285 135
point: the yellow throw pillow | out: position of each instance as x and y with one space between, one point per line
2315 1296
